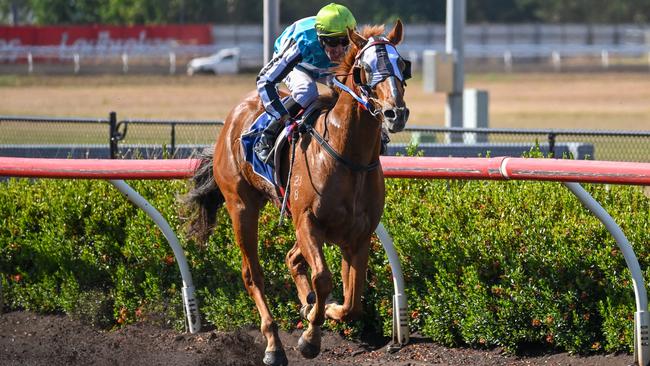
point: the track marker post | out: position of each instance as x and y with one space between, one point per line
641 316
401 330
189 299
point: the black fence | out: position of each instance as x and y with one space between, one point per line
25 136
631 146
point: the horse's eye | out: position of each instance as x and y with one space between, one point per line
368 71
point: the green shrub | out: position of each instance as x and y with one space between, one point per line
485 263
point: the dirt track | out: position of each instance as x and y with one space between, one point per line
611 101
30 339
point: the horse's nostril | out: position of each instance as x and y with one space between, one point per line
390 114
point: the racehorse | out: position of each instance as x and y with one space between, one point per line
336 189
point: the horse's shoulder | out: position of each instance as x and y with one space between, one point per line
328 99
324 104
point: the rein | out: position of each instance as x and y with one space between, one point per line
364 102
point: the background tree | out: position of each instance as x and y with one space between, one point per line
65 11
366 11
502 11
593 11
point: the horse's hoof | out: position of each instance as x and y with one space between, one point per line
304 311
308 350
275 358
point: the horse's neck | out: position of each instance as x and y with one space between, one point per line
352 131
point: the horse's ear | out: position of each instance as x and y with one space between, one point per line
356 38
395 36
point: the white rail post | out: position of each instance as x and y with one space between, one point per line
30 63
400 307
189 300
507 61
125 62
172 63
475 114
556 59
604 59
77 63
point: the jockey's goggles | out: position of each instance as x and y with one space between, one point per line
335 41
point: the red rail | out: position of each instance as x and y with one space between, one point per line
394 167
585 171
97 168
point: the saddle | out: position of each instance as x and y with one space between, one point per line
249 138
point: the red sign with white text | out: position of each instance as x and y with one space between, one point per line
94 35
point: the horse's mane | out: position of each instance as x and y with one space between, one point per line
348 60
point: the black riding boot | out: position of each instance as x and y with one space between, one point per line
267 140
385 139
264 146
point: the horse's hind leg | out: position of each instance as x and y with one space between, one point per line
244 217
354 266
310 241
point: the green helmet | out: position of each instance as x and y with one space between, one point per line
333 20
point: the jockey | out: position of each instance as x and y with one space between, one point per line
303 55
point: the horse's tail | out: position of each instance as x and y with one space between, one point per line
201 203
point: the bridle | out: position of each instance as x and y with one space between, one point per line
366 99
385 70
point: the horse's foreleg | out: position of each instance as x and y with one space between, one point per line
244 221
298 269
354 266
310 242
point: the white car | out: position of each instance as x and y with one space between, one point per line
225 61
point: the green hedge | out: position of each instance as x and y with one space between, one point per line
486 263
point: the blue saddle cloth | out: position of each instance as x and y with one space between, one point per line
248 141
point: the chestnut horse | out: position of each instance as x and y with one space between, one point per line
336 187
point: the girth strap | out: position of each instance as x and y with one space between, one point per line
330 150
293 141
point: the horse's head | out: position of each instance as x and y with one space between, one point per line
380 73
